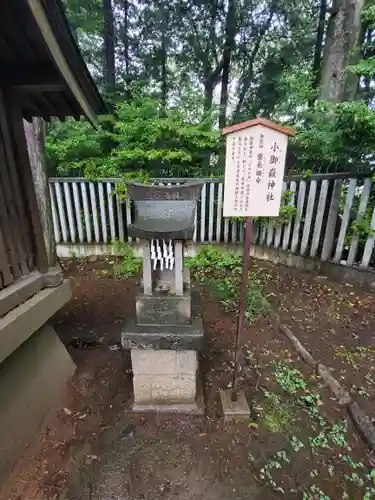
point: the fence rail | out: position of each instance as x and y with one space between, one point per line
333 219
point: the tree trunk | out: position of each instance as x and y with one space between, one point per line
367 80
126 37
109 45
247 76
317 61
230 31
163 59
341 50
208 94
34 133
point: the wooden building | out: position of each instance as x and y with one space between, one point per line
42 74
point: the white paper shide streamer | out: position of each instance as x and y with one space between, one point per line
162 253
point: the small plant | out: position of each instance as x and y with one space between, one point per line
278 415
337 434
121 188
315 493
319 441
274 463
296 444
362 227
211 260
226 291
130 266
290 379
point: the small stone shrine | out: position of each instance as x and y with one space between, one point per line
167 329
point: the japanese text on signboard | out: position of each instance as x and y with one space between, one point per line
254 172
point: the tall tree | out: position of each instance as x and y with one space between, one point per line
229 45
109 45
341 50
318 49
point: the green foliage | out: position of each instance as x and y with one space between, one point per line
121 187
213 260
138 137
71 145
226 290
290 379
278 415
335 137
362 226
130 265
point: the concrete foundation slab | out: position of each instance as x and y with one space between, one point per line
32 383
163 336
234 412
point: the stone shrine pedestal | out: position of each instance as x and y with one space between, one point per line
166 332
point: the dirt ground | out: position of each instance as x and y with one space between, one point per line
96 449
335 321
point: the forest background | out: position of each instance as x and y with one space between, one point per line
174 73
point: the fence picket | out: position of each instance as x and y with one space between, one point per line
69 209
308 218
128 216
195 227
298 218
203 213
270 231
211 212
77 208
60 206
94 212
288 227
345 220
103 216
367 252
120 219
219 211
55 218
263 231
319 218
96 216
331 221
361 210
256 228
226 230
111 213
86 212
234 231
279 227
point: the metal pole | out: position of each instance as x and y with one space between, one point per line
242 305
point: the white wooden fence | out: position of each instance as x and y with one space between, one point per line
328 206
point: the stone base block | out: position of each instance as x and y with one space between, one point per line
164 376
195 408
237 411
164 362
159 389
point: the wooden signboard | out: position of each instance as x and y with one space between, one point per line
254 171
254 168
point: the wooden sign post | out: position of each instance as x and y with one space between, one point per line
254 172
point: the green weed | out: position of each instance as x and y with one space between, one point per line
278 415
130 265
226 291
